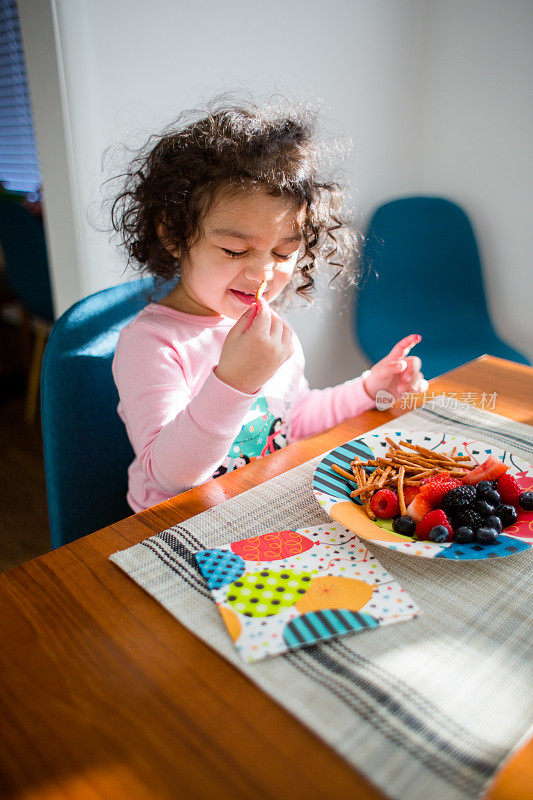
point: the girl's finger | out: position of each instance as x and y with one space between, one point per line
261 322
402 348
276 325
414 364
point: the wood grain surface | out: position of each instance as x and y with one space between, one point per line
105 695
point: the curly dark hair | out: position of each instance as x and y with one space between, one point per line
231 148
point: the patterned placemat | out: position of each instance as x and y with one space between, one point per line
430 708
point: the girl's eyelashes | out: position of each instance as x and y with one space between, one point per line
237 254
233 253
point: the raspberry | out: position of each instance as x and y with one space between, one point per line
385 504
435 490
431 520
509 489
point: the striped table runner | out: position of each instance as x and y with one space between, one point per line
428 709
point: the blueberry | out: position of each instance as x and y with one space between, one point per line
507 514
493 522
486 535
492 497
482 487
439 533
405 525
463 535
526 501
482 508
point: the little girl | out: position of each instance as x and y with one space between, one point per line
209 378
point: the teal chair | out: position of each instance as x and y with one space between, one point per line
422 274
86 448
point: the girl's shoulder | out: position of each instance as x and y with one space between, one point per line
158 328
164 320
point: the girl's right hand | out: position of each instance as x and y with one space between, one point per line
257 345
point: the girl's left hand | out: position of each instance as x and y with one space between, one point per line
397 373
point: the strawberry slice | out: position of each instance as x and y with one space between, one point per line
436 489
490 470
419 507
437 477
409 493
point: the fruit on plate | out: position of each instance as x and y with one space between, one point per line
435 489
431 520
526 501
507 514
419 507
490 470
409 493
439 534
509 490
384 504
404 525
458 498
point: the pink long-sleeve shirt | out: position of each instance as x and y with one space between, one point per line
186 425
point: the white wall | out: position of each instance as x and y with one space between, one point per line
380 68
476 135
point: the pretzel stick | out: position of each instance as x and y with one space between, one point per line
401 474
428 453
358 492
368 511
260 289
363 477
452 454
383 477
343 473
392 444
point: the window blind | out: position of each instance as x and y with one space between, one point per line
19 162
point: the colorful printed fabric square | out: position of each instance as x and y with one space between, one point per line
287 589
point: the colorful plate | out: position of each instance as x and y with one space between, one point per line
333 494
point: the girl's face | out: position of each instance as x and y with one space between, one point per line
247 239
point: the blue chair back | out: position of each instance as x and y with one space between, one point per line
86 448
423 275
23 242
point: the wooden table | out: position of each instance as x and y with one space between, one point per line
104 695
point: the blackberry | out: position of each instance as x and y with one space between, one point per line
439 534
464 535
526 501
507 514
405 525
482 508
457 499
469 518
494 484
486 535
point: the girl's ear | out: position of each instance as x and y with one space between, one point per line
165 239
